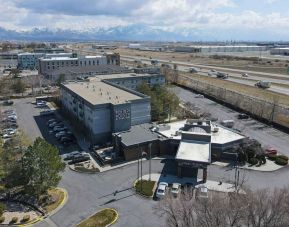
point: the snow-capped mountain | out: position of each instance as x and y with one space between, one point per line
125 33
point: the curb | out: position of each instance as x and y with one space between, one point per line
77 171
110 224
145 196
49 214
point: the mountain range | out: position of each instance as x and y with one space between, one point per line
121 33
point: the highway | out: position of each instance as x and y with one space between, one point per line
280 83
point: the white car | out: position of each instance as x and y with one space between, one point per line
202 192
199 96
161 191
176 188
41 104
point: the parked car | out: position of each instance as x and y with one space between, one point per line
70 155
50 121
9 112
243 116
78 159
59 128
176 188
46 112
66 139
270 150
8 102
40 103
161 191
199 96
53 124
202 192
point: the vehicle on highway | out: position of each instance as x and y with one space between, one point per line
155 62
222 75
213 70
194 70
228 123
161 190
245 75
202 192
263 84
176 189
270 150
199 96
243 116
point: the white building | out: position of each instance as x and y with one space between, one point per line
280 51
216 49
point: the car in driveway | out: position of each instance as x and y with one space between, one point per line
161 190
202 192
243 116
176 189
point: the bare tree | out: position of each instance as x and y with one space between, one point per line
262 208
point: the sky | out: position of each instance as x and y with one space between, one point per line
211 17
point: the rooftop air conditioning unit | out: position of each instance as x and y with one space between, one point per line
215 129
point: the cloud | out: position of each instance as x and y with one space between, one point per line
184 16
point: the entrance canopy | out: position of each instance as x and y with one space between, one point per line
194 151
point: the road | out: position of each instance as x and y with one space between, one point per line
280 83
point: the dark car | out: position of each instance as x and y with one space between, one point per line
243 116
82 158
8 102
67 140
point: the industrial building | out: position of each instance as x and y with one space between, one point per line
31 60
49 50
72 67
193 143
280 51
216 49
105 106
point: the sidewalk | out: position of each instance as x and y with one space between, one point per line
268 167
211 185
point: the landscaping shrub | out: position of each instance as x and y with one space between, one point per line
147 187
14 219
26 218
283 157
280 161
85 170
253 161
2 219
2 208
272 157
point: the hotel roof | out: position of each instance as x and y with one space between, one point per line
97 92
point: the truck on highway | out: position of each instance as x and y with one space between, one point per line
222 75
155 62
263 84
193 70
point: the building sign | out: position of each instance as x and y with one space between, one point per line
122 114
192 164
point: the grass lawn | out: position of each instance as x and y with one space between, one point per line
147 187
100 219
58 196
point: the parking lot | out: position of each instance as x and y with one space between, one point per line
34 125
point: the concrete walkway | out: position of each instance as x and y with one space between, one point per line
268 167
211 185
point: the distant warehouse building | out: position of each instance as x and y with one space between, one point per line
105 106
216 49
280 51
71 67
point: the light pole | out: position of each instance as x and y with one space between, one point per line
150 158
